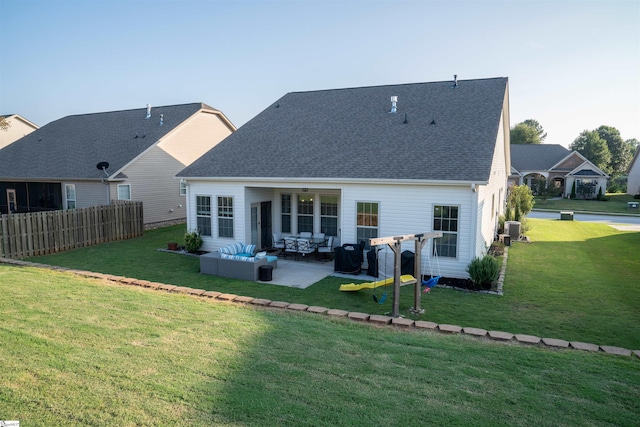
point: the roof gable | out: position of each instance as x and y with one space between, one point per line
71 147
438 133
537 157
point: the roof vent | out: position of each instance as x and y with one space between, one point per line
394 107
433 121
405 119
148 111
455 80
161 119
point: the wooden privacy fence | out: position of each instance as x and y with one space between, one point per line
39 233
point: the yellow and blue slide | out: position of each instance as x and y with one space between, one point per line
404 279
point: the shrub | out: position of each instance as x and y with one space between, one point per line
484 271
601 196
192 241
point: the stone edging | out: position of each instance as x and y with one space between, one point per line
374 319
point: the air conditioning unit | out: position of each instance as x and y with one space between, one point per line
512 228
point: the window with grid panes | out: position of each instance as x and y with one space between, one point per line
285 218
366 222
445 219
329 215
305 213
225 217
203 215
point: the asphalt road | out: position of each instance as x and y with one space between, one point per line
623 222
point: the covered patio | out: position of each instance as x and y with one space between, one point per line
301 274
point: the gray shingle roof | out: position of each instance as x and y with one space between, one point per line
71 147
350 134
536 157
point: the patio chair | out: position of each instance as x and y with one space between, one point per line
278 242
305 248
327 248
306 234
290 246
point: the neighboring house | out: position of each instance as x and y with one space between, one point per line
557 165
633 180
18 127
60 165
353 164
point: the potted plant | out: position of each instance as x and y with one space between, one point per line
173 246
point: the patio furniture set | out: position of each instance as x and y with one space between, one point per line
304 244
238 261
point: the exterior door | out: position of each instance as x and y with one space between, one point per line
255 225
11 200
265 225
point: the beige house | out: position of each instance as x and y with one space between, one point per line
95 159
633 180
560 167
18 127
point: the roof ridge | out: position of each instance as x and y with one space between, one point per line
202 105
397 84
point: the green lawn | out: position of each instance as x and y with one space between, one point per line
576 281
617 204
80 352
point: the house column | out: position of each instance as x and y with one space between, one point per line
316 213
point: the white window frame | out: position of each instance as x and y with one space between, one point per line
68 199
364 226
203 214
325 215
437 242
285 213
303 201
225 216
183 187
122 186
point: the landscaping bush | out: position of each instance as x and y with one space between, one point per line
192 241
484 271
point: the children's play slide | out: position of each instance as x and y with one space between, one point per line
404 279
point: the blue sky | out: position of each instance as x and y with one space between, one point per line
572 65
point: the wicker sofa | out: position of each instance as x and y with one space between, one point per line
236 261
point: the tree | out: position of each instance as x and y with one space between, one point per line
633 144
4 124
594 148
524 133
621 151
538 127
520 200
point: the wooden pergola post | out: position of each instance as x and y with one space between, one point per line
395 243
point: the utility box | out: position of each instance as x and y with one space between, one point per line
512 228
566 216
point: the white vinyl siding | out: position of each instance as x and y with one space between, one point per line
403 209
